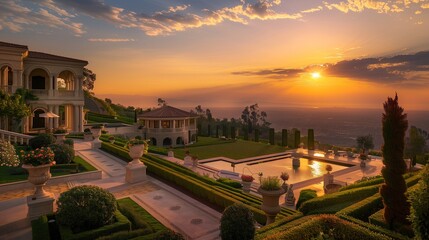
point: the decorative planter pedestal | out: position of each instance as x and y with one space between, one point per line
96 132
135 171
87 137
60 137
170 154
41 202
246 186
187 160
270 203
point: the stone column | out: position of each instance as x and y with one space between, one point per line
49 85
56 120
159 124
174 124
80 126
75 119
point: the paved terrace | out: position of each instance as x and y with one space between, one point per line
174 209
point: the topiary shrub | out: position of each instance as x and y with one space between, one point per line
69 142
86 207
64 153
304 195
237 223
41 140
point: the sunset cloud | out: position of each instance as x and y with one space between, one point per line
403 69
111 40
16 17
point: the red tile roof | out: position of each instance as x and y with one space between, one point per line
40 55
167 112
6 44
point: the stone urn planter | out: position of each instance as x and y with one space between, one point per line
38 176
270 203
246 181
136 152
135 171
60 137
96 133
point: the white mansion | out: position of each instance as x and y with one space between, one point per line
55 80
169 126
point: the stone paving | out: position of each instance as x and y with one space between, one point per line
20 193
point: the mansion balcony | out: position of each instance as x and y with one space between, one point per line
45 94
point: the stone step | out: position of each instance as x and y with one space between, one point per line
14 226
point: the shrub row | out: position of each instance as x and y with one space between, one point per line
374 181
305 195
229 182
349 196
279 226
330 225
363 209
203 187
121 224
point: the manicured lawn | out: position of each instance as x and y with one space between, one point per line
212 147
14 174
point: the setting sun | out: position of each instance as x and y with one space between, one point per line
315 75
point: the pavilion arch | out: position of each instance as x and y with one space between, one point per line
6 77
66 80
39 79
167 142
179 141
153 141
37 121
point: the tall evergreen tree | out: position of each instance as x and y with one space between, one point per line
297 138
310 138
271 136
396 207
284 137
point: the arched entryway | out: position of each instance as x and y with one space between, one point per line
166 142
39 79
6 78
65 81
38 122
153 141
179 141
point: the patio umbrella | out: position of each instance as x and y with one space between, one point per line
48 115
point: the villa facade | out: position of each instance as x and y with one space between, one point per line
55 80
169 126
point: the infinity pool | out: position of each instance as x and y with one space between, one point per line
308 169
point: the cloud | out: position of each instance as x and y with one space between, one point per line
425 6
399 69
15 17
378 6
312 10
111 40
178 18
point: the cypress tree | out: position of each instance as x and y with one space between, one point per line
233 132
217 131
256 135
297 138
310 138
396 207
225 130
284 137
200 130
246 135
209 130
271 133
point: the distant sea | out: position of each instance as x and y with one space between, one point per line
338 126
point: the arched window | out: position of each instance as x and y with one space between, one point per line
153 141
39 79
38 122
179 141
166 142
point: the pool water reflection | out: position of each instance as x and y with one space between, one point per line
308 169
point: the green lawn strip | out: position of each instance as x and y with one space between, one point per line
139 214
15 174
236 150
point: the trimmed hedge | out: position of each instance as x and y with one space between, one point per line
40 228
279 226
305 195
345 197
374 181
121 224
335 227
206 188
363 209
229 182
126 235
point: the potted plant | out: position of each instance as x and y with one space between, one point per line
87 135
37 163
270 189
246 181
60 135
284 176
137 148
111 139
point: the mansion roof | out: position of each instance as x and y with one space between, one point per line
6 44
40 55
167 112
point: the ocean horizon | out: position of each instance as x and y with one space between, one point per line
337 126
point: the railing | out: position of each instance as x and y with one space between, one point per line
167 130
65 93
14 137
39 92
